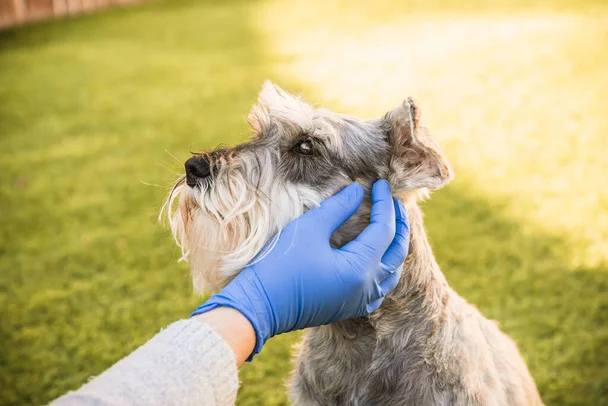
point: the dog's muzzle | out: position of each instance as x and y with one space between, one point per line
198 169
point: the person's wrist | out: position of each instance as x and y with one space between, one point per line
234 328
246 295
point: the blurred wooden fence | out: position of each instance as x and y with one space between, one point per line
13 12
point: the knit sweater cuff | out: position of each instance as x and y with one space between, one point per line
217 361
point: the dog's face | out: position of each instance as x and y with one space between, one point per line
233 202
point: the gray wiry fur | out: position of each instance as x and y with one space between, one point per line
425 345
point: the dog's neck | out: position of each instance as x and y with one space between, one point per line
421 274
421 295
422 290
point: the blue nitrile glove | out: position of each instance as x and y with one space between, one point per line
304 282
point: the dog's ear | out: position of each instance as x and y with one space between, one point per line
275 104
416 160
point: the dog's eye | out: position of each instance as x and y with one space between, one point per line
304 148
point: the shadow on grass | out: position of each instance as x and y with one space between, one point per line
556 312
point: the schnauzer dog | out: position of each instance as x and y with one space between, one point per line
425 345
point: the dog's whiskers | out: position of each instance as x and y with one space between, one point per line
166 208
173 156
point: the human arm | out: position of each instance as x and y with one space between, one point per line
186 363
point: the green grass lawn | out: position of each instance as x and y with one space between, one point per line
98 113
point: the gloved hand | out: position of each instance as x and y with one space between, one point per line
304 282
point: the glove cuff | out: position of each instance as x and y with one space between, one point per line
255 307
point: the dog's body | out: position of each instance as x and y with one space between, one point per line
425 345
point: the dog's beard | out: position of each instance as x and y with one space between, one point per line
234 220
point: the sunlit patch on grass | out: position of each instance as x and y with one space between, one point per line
515 95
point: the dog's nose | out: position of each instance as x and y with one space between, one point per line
197 168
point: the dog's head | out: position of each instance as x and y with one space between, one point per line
233 202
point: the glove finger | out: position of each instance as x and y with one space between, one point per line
335 210
390 282
397 251
378 235
373 306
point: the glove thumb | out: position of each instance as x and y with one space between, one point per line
335 210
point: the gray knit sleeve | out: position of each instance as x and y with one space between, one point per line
185 364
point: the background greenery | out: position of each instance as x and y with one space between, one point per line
98 113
